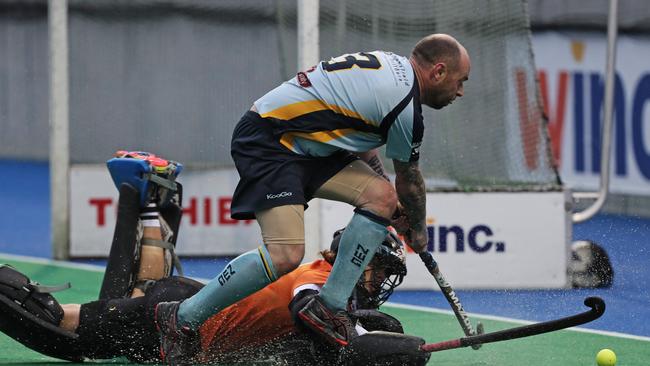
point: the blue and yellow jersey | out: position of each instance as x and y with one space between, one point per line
355 102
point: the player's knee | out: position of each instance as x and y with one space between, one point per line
286 258
379 198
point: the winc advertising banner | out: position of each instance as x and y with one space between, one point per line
571 72
485 240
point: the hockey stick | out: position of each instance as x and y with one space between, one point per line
596 304
452 299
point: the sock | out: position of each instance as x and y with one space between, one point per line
358 244
241 277
149 216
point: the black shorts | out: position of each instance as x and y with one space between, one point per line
125 327
272 175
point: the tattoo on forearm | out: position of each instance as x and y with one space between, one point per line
377 166
411 191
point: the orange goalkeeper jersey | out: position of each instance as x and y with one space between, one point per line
263 316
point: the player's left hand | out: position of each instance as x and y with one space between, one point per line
399 221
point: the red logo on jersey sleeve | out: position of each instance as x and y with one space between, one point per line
303 80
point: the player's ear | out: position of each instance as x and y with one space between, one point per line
439 72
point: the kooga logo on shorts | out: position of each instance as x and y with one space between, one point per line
278 195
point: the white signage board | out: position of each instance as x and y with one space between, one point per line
206 228
571 74
481 240
486 240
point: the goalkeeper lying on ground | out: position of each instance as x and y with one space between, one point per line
259 328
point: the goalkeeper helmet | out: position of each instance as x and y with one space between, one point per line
383 274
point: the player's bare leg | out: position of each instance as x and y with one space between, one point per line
152 258
70 320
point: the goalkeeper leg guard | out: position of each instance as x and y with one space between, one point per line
121 275
122 264
31 316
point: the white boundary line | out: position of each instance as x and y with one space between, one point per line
94 268
65 264
52 262
519 321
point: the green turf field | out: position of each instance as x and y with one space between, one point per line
564 348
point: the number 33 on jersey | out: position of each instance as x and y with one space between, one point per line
354 102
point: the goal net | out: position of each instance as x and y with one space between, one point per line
173 77
494 138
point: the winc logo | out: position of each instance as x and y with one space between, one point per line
458 239
271 196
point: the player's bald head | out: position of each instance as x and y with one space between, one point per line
436 48
441 65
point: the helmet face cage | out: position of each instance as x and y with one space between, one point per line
387 270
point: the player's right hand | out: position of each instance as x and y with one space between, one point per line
417 239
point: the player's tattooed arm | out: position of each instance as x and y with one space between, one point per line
411 193
372 159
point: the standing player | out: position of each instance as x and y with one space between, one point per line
304 139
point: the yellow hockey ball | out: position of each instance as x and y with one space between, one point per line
606 357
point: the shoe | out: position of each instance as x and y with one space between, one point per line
178 344
335 327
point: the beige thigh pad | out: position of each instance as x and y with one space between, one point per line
348 184
282 225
